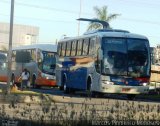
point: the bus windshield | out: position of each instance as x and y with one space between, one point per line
3 57
3 60
49 61
125 57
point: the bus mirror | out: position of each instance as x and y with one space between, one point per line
100 54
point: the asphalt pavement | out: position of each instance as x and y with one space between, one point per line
56 92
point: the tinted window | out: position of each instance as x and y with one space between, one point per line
92 46
79 48
138 57
49 59
3 57
74 46
23 56
68 50
33 54
13 56
59 49
85 46
115 56
63 49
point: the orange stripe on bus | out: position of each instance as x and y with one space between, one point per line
3 78
45 82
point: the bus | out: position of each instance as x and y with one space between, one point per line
104 61
39 60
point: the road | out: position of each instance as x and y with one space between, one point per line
56 92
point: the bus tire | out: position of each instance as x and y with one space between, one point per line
65 88
131 96
61 88
90 93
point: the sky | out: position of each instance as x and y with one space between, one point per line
56 18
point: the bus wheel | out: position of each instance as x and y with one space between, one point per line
34 81
90 93
131 96
61 88
65 88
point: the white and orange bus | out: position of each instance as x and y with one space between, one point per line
39 59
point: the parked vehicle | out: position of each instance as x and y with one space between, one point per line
104 61
39 59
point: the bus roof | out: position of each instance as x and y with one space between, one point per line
108 33
45 47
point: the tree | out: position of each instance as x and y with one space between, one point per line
101 14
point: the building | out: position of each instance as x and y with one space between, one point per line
157 54
153 53
22 35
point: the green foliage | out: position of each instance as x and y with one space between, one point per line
101 14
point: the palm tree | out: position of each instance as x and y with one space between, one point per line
101 14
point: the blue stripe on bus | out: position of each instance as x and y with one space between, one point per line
76 79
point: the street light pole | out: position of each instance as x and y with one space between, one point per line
80 9
10 47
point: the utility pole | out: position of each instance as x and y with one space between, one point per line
80 9
10 47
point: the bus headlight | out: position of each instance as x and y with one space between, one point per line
144 84
108 82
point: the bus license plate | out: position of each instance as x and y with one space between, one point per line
126 89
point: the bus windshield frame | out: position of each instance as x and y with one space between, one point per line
49 62
125 57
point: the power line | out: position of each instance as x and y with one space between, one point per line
62 21
39 19
47 8
142 21
68 11
140 2
74 12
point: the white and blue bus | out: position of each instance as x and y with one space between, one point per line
104 61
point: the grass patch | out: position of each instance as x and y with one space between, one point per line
22 92
25 92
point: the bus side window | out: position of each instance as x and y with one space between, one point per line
74 46
79 48
85 46
68 50
30 53
13 56
92 45
59 49
63 52
33 55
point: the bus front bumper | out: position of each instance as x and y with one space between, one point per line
124 89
